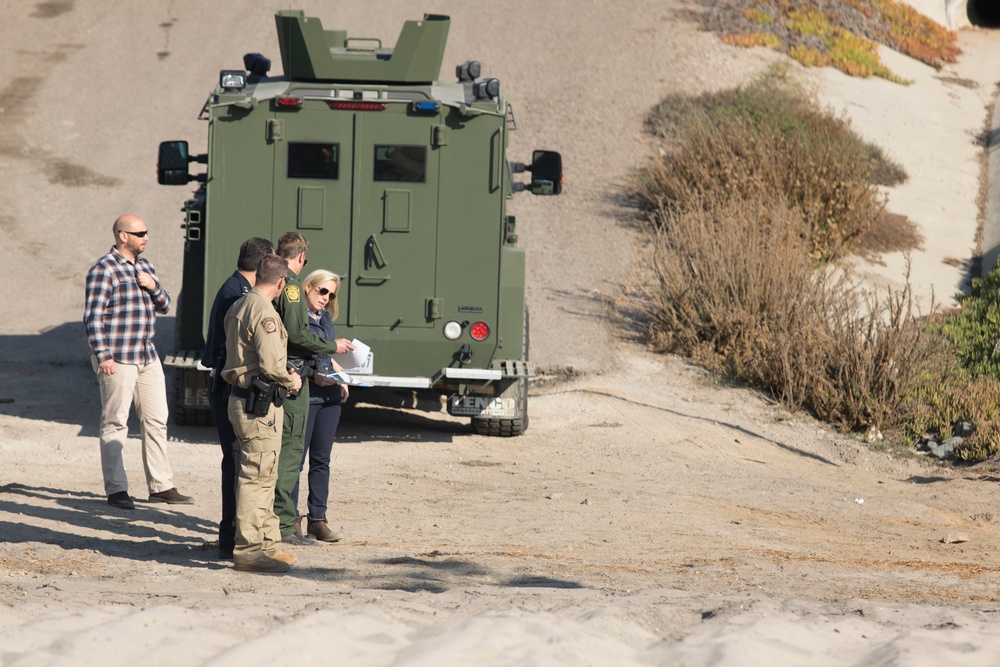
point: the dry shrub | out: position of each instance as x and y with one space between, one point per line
736 291
766 138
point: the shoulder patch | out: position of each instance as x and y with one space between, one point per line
292 293
270 324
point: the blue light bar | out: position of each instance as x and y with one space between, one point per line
432 107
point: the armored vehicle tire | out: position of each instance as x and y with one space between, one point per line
517 389
185 416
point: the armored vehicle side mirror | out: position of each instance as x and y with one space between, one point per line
546 173
172 164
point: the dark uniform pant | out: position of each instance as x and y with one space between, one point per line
218 405
293 434
257 531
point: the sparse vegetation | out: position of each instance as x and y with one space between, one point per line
754 195
845 34
764 139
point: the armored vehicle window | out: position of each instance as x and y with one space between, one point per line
406 164
313 160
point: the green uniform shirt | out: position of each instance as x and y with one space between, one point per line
256 343
291 305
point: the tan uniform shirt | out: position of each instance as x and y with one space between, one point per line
256 342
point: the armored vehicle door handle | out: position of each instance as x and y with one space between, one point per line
372 280
373 254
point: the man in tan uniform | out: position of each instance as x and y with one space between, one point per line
256 344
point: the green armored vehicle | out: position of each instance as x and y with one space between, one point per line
399 181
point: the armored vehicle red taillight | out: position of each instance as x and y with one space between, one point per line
479 331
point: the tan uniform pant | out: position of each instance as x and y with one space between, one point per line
146 388
259 438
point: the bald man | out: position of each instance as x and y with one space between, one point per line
123 297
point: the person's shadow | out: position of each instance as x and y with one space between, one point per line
152 531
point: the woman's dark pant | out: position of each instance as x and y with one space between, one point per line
321 429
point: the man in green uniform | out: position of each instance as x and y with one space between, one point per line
256 359
302 345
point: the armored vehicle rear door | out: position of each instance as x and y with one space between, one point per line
313 182
394 240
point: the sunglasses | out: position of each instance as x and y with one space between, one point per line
141 235
324 291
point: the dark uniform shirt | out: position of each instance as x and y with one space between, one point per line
291 305
215 344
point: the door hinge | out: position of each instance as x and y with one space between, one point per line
439 135
434 308
274 130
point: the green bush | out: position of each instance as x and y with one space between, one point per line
974 331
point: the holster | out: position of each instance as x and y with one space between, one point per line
262 394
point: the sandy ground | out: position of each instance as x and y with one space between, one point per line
650 515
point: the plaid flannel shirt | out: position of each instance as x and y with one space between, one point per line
120 316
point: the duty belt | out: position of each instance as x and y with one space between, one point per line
239 392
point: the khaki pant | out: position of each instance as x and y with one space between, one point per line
146 388
259 441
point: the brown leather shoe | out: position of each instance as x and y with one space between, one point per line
171 496
285 557
262 564
320 530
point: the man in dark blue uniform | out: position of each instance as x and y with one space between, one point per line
236 285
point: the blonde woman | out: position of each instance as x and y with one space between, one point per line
325 399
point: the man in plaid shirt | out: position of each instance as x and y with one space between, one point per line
123 297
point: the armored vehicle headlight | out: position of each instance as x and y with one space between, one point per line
232 79
452 330
480 331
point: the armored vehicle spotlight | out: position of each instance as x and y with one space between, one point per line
468 71
256 64
489 88
232 80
